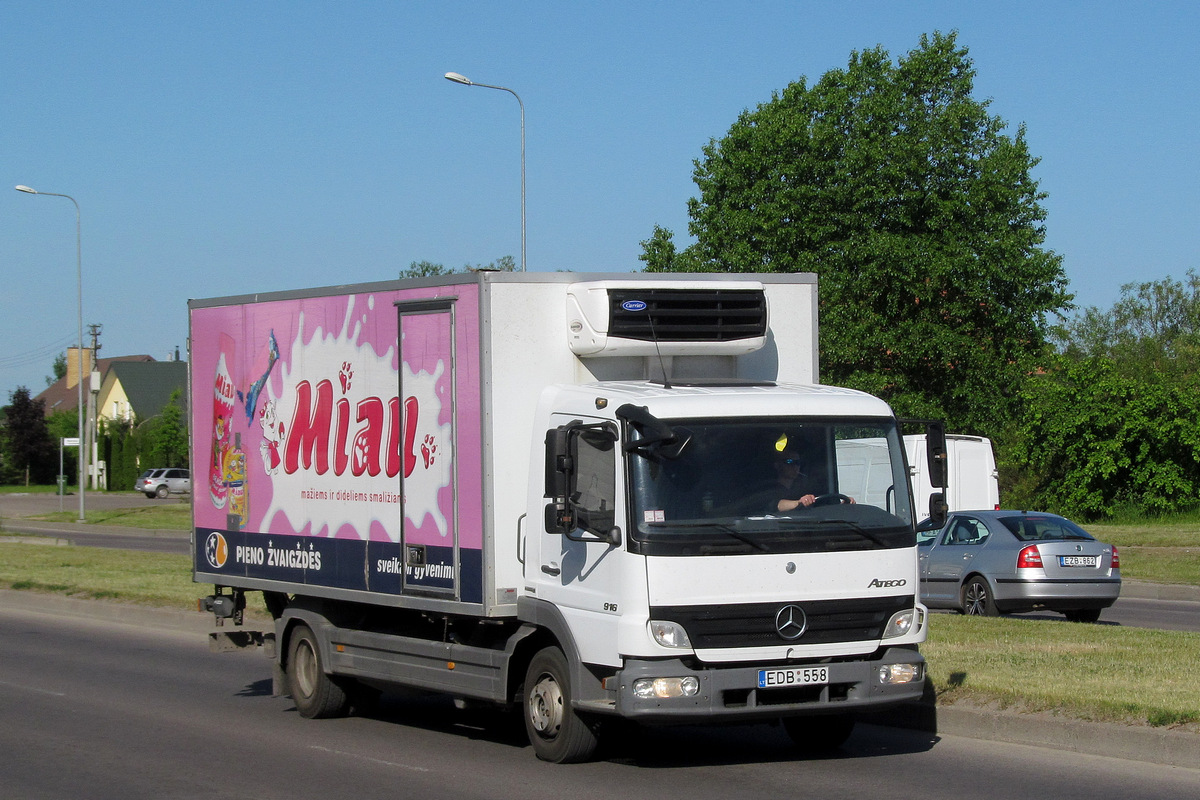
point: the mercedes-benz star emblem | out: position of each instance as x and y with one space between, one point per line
791 622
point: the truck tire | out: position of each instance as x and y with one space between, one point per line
819 734
556 732
316 695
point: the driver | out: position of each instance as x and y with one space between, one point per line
791 482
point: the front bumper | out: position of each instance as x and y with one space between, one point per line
731 693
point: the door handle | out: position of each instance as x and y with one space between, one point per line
551 569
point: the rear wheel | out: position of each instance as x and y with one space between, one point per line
162 492
819 734
555 730
977 600
316 694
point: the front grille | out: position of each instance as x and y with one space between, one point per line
688 315
753 624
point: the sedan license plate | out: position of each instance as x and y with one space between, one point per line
798 676
1079 561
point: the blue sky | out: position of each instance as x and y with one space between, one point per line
220 148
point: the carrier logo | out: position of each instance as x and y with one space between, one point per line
791 622
216 550
878 584
634 305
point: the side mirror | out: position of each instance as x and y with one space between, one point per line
935 451
939 509
558 461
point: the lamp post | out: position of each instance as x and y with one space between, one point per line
465 81
79 281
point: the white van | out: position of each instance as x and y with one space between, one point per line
970 472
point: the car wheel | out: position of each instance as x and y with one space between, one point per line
1083 615
149 494
977 600
556 732
162 492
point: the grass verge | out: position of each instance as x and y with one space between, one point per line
92 573
1158 551
1096 672
172 515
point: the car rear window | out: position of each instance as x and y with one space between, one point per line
1040 529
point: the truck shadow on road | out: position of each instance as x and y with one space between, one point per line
639 746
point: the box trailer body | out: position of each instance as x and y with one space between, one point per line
543 491
971 475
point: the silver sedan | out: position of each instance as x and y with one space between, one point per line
992 562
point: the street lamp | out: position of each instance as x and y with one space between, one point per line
79 281
465 81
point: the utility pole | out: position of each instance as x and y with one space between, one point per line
93 394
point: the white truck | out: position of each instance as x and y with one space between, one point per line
970 471
553 492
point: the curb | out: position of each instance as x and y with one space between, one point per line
1177 746
1144 590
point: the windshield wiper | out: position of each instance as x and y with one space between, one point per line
723 527
822 523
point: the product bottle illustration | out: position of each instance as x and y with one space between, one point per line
223 399
235 484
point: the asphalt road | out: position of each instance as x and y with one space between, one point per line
103 710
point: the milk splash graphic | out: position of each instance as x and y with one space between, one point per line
336 443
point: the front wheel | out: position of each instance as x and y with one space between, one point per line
977 600
556 732
316 695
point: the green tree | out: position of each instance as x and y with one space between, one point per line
28 454
168 435
1153 330
917 212
60 369
1095 441
429 269
1110 423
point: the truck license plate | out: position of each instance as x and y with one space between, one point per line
799 676
1079 561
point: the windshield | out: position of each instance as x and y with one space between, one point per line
783 485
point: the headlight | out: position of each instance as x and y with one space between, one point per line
669 634
899 673
661 688
903 623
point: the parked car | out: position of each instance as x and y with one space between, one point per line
163 482
992 562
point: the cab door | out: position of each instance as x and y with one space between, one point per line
578 562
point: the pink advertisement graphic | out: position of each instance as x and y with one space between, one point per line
303 430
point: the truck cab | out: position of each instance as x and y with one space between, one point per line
664 556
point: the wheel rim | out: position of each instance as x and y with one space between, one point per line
976 598
546 707
305 669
